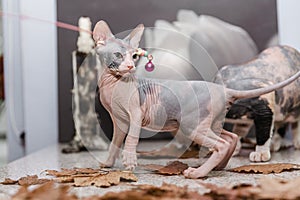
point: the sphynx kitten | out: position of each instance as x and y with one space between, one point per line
195 108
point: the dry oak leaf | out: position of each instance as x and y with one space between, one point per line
270 188
32 180
28 180
241 191
150 192
72 172
105 180
266 188
68 175
47 191
65 179
266 168
172 168
8 181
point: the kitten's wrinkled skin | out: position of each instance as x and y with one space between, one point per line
272 111
195 108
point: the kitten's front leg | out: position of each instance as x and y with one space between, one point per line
129 151
114 147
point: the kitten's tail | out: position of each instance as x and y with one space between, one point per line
237 94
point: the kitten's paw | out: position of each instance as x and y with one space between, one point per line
193 173
129 160
107 164
260 156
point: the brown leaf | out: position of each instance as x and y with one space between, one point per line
270 188
173 168
63 172
28 180
75 171
65 179
46 191
105 180
172 151
9 181
86 177
267 188
242 191
32 180
266 168
150 192
21 194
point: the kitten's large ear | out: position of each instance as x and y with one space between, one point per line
101 33
135 36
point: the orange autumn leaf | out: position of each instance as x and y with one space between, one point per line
27 180
9 181
266 188
266 168
32 180
70 172
151 192
47 191
173 168
105 180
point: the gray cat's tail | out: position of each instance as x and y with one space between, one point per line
237 94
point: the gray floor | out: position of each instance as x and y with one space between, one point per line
51 158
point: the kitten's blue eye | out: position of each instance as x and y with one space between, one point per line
118 55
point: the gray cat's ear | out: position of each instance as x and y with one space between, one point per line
135 36
101 33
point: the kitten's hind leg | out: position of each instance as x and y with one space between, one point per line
221 150
232 139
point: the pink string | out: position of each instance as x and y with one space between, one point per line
56 23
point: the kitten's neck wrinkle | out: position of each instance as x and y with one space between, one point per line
108 79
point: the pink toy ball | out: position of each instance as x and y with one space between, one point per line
149 66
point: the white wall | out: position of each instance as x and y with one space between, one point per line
289 22
31 80
13 80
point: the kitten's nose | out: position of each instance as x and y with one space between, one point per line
130 67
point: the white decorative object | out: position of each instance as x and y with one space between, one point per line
85 42
203 44
88 133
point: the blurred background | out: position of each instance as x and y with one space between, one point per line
37 108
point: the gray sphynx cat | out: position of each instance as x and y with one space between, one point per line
272 111
195 108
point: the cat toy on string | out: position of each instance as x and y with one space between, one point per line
149 65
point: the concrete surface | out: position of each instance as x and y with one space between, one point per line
51 158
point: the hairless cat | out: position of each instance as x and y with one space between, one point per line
195 108
271 112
